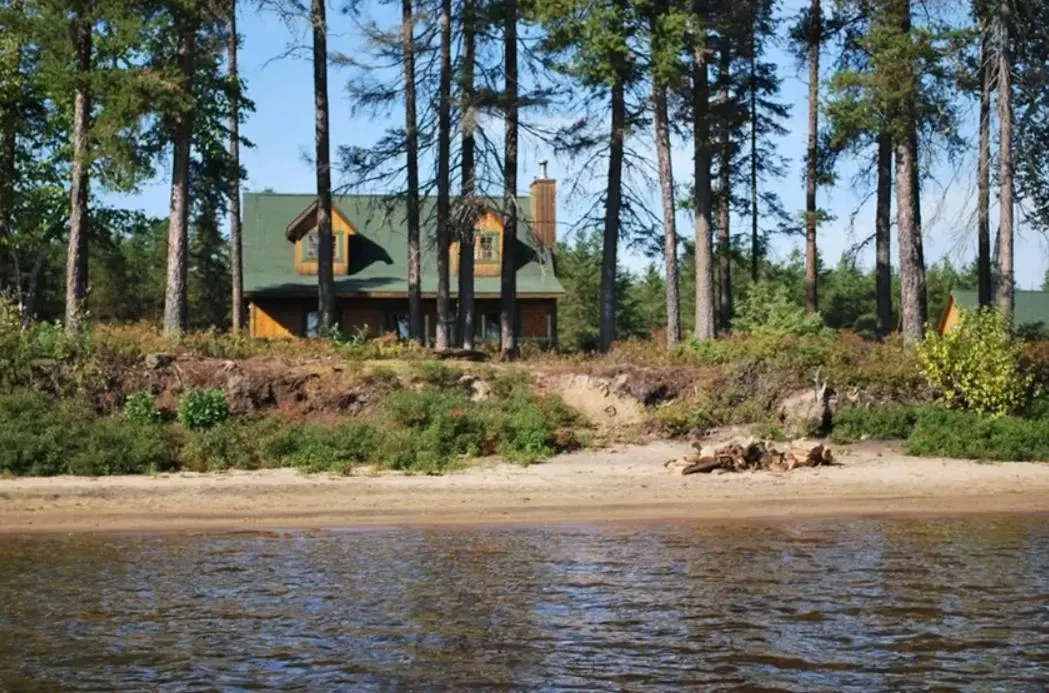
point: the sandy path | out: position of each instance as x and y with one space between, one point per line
625 484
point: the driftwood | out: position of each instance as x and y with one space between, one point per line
755 456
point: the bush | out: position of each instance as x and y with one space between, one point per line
976 365
768 309
439 375
221 447
887 422
114 446
203 408
318 448
141 409
966 435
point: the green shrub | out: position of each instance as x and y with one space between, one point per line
438 375
768 309
886 422
966 435
141 409
223 446
114 446
977 365
318 448
203 408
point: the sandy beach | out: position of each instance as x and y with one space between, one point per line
626 484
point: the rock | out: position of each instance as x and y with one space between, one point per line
678 466
155 362
480 391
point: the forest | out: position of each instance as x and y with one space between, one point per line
102 96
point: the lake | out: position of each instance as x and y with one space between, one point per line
834 605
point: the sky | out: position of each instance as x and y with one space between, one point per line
282 130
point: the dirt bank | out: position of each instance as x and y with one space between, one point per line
626 484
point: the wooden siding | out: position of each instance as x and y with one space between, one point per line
489 223
543 196
285 319
951 316
342 229
277 320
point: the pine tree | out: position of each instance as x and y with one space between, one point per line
811 154
705 310
444 154
76 260
508 254
235 224
322 138
1005 159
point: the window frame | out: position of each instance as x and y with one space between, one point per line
494 236
338 244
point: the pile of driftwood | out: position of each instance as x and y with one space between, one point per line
735 457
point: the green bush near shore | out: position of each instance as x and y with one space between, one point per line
421 430
886 422
965 435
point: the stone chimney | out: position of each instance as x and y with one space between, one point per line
543 195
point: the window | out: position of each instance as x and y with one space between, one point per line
311 246
313 323
486 247
401 327
492 328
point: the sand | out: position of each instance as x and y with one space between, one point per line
623 484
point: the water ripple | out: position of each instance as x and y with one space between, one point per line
859 605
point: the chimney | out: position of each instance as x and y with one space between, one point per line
543 195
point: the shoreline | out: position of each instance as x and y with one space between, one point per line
627 484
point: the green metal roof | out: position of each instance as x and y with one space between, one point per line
1030 308
378 254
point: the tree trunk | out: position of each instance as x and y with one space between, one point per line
705 329
415 303
508 282
465 323
444 149
235 224
755 233
666 186
724 190
882 235
325 245
811 296
1005 162
912 266
175 318
76 259
983 175
613 205
9 127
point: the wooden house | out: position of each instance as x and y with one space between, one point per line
371 265
1030 310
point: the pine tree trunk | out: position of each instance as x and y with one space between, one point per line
1005 162
811 295
613 205
508 283
705 329
755 233
465 323
724 190
983 175
415 304
444 149
235 224
175 298
666 186
9 126
325 244
912 266
76 259
882 235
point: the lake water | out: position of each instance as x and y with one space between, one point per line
844 605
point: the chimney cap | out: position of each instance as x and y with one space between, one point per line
542 169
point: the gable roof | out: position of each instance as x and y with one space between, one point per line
1030 308
378 252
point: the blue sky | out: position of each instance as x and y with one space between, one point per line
282 130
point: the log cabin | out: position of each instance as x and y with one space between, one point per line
1030 310
371 265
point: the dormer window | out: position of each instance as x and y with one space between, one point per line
486 247
310 247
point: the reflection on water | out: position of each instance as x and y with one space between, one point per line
842 605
